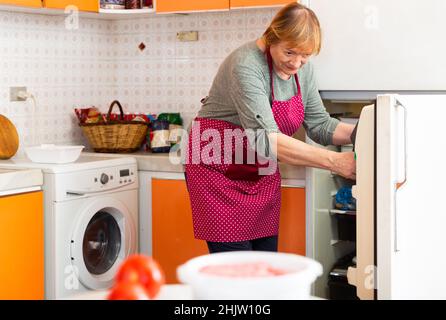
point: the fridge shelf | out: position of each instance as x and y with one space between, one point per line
346 212
334 242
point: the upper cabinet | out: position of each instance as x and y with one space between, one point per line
257 3
23 3
161 6
82 5
170 6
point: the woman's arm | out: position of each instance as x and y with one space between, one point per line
299 153
342 134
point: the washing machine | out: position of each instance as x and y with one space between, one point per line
91 222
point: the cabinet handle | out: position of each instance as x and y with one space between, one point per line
402 181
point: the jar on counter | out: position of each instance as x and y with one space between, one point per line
175 126
160 136
147 3
133 4
112 4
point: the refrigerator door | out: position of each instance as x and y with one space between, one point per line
363 275
410 196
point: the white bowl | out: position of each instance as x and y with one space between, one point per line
50 153
294 285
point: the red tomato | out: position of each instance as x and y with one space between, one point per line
128 291
143 270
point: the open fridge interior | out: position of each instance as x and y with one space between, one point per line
332 215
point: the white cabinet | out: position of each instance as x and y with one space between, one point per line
381 45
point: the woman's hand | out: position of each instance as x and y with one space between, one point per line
344 164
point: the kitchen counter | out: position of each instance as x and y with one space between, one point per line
13 181
168 292
163 162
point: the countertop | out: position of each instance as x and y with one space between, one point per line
168 292
164 162
14 181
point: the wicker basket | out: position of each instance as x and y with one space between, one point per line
115 136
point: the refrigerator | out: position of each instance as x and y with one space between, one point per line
400 194
385 59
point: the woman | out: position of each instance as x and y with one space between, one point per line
266 87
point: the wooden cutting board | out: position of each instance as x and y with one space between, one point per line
9 139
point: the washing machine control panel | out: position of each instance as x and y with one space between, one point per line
115 177
91 182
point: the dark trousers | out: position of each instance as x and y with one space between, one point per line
261 244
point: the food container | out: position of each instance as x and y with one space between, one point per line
295 284
113 4
50 153
133 4
159 141
147 3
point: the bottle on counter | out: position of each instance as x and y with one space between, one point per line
175 126
159 134
146 143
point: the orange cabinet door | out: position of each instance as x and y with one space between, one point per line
169 6
172 231
258 3
22 245
83 5
23 3
292 221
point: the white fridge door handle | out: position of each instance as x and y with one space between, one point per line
401 165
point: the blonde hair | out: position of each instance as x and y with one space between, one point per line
297 25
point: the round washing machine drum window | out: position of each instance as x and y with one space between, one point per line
102 243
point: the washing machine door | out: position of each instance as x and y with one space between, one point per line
105 234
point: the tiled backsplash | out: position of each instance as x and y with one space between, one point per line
100 61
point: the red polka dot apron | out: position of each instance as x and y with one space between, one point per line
231 201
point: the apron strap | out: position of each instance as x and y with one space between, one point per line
297 83
269 58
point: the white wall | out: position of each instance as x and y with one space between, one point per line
170 75
100 61
62 68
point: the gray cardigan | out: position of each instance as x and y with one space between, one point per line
241 94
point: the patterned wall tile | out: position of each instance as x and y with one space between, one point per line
101 61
